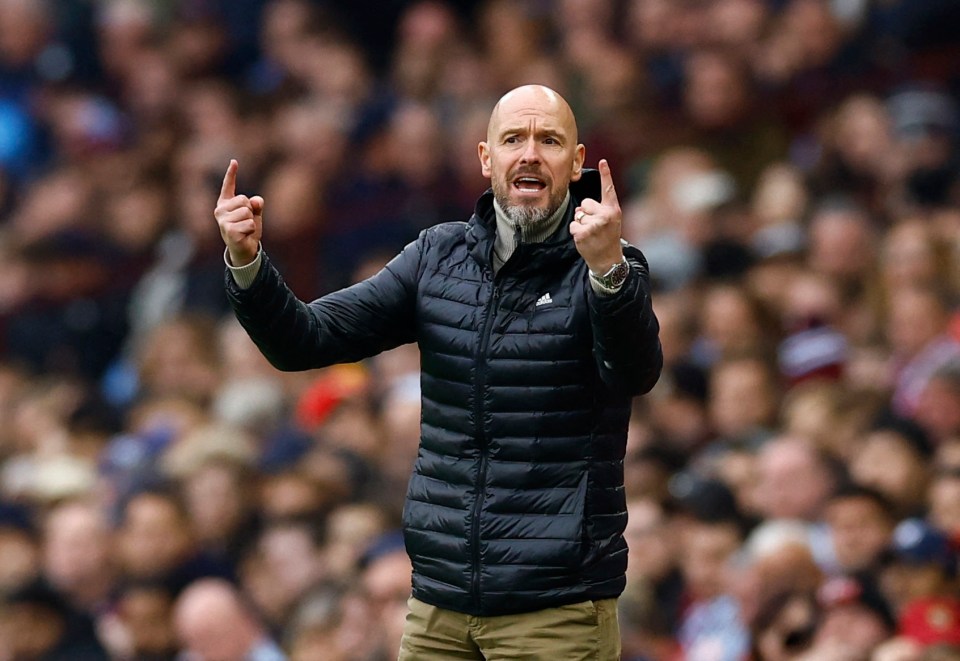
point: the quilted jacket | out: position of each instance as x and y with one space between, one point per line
516 501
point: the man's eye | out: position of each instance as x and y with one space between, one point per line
511 140
551 141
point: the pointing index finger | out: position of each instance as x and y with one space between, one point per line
229 188
608 194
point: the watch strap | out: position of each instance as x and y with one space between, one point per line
611 281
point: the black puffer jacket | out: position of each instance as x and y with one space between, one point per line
516 502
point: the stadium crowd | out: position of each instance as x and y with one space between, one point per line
790 168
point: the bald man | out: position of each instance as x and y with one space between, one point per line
535 330
213 624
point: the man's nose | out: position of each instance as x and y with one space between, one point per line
531 152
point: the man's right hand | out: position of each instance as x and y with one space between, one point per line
240 219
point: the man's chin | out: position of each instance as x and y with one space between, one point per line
524 214
525 208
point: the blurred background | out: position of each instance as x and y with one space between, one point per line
789 167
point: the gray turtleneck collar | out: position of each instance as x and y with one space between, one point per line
509 234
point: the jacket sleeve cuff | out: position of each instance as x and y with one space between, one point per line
244 275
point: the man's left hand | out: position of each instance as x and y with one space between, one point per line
596 226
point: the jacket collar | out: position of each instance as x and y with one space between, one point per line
482 226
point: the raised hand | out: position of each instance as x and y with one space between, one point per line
240 219
596 226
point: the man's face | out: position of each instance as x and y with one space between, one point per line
76 546
155 536
860 530
531 154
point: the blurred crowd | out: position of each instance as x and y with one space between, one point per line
791 169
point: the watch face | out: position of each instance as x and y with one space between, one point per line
613 278
619 274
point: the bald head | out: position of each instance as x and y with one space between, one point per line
212 621
537 98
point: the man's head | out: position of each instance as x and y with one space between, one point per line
531 153
154 535
919 563
794 479
707 549
861 522
854 615
213 623
76 549
145 609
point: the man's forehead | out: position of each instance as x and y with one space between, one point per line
520 106
523 121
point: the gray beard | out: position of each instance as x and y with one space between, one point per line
521 215
526 216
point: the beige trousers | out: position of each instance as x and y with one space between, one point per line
587 630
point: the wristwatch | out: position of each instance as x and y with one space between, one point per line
613 278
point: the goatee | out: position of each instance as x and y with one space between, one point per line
524 216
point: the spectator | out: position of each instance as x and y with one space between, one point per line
711 626
155 543
178 358
653 567
679 412
861 524
854 160
719 101
19 545
733 324
213 623
813 346
841 246
914 255
283 565
350 529
791 486
938 404
925 123
37 623
893 458
222 511
918 333
77 559
921 565
943 499
385 577
743 401
833 416
855 619
143 628
663 219
785 626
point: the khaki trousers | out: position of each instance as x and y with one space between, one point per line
587 630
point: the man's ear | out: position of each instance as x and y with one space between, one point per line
578 160
483 151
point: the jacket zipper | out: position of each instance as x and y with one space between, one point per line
482 441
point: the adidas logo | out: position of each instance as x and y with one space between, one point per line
544 300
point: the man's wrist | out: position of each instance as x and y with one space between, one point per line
246 274
241 260
612 279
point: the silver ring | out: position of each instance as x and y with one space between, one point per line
579 216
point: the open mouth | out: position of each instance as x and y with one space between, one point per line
528 184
